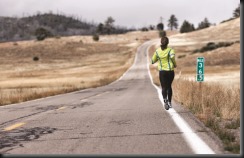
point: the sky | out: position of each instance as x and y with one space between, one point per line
127 13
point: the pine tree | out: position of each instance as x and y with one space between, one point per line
186 27
173 22
204 24
236 12
100 28
109 25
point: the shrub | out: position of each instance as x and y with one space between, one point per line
211 46
208 47
15 43
196 51
95 37
225 44
160 26
35 58
144 29
162 33
181 56
233 124
42 33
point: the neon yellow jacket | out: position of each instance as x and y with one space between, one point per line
166 59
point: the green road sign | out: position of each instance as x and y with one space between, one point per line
200 69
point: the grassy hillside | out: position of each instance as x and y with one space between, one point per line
223 60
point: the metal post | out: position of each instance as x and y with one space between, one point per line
201 91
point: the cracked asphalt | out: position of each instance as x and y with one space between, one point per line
125 117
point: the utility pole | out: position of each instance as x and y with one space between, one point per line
161 19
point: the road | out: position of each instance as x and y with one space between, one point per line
125 117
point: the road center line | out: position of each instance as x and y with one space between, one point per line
13 126
194 141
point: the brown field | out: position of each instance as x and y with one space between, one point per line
65 64
217 101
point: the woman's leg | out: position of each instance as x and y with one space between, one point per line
163 82
171 76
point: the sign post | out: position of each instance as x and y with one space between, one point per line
200 76
200 69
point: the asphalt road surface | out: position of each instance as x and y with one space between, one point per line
125 117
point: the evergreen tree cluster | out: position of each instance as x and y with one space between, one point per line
108 28
187 27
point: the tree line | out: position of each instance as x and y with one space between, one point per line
45 25
186 25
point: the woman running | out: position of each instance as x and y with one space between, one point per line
166 57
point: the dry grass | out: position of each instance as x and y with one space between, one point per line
65 64
208 100
214 105
225 32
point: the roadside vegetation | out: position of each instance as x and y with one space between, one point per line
216 106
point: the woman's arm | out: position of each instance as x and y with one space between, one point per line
172 56
154 58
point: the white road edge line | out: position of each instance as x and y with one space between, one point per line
194 141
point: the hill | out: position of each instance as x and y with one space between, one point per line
224 32
15 29
219 45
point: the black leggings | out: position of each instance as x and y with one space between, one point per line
166 78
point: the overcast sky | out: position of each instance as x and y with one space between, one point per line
129 13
